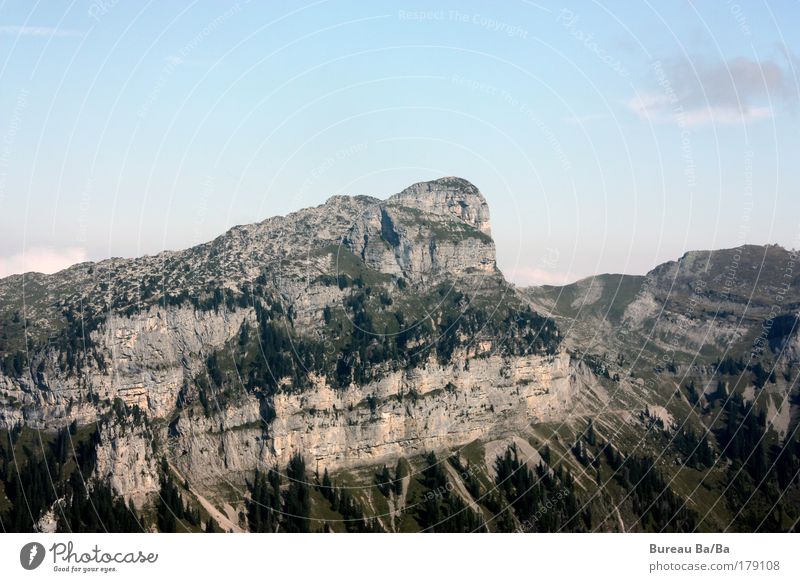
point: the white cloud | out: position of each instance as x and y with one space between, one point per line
41 260
697 92
528 276
648 105
43 31
659 108
726 115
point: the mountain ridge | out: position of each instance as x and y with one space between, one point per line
360 303
360 334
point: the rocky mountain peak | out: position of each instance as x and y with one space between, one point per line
448 197
428 232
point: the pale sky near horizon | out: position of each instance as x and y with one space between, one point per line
606 136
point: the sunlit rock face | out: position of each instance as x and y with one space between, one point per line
165 352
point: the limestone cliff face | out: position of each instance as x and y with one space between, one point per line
448 197
429 231
130 344
406 413
147 359
127 459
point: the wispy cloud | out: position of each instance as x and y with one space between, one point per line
695 92
42 31
41 260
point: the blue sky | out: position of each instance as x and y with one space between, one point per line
607 136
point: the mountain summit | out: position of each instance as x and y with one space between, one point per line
447 197
356 331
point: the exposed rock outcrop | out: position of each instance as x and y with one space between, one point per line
138 344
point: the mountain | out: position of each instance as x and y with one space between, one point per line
364 366
698 309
